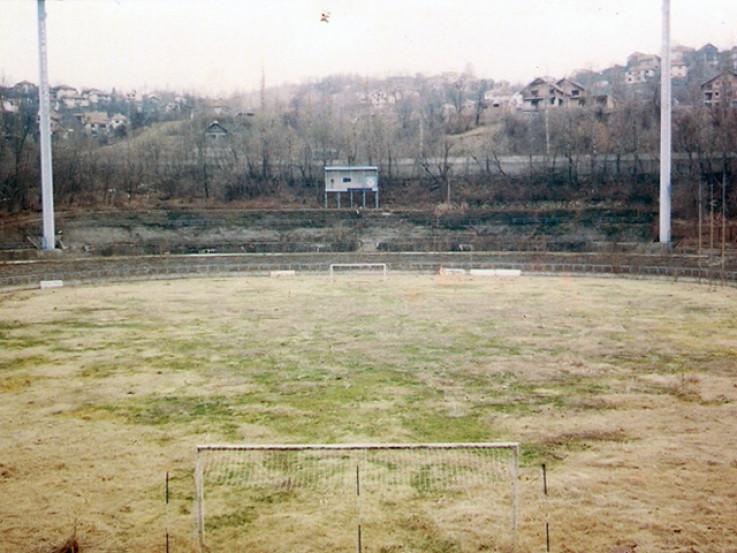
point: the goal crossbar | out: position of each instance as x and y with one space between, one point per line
339 447
373 267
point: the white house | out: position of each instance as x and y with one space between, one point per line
498 98
679 67
95 96
118 121
679 70
64 91
95 122
641 68
69 102
25 87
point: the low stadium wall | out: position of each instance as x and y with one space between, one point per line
29 274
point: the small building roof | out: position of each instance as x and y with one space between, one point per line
96 118
215 128
352 168
546 82
574 83
715 77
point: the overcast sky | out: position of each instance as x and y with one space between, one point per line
219 46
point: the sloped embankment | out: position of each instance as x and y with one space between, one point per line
262 231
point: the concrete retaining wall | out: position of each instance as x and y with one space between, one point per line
29 274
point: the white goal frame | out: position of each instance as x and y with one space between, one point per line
382 266
513 447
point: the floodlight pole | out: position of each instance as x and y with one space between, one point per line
665 130
47 177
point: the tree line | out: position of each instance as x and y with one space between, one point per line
274 154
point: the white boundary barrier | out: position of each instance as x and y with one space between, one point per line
44 284
162 267
496 272
446 271
382 266
282 274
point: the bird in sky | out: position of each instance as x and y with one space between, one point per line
325 17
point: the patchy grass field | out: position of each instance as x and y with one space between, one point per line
626 389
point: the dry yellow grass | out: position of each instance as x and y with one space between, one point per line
626 389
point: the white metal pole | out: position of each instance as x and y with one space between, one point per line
200 498
665 130
515 498
47 179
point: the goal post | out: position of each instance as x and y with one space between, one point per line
358 268
317 497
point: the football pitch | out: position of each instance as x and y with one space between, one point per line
625 389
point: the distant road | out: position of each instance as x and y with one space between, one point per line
469 165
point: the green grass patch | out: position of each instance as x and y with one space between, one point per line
239 518
18 336
557 447
25 362
707 360
439 426
101 369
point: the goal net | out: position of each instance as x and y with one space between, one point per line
390 497
358 269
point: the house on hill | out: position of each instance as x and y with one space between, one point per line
217 141
25 88
502 97
542 93
603 102
730 60
71 102
216 133
679 70
64 91
575 92
680 56
708 55
95 96
55 121
95 123
118 122
720 89
641 68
